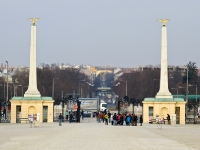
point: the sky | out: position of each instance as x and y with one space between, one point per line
119 33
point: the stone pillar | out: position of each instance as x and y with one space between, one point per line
32 87
164 91
13 113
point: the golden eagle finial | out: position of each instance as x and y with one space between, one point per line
33 20
163 21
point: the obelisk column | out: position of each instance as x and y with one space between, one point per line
164 90
32 87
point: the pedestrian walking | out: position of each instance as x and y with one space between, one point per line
60 119
70 117
135 120
102 117
168 118
106 119
121 119
67 114
114 119
118 119
109 116
128 119
82 112
141 120
132 119
99 117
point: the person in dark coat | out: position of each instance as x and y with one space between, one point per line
70 117
168 118
109 117
121 119
141 120
114 119
135 120
60 119
82 112
132 119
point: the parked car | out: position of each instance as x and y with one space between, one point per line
87 114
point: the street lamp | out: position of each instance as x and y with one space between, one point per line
186 92
154 86
195 101
22 88
16 88
177 90
119 101
7 80
123 81
13 89
80 88
7 86
53 87
89 84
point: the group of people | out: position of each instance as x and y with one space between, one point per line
119 119
69 116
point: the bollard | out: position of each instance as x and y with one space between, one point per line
173 122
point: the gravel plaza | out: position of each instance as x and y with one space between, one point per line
90 135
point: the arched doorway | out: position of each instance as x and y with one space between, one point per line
31 110
164 112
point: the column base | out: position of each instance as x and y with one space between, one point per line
164 96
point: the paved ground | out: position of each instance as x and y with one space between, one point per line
97 136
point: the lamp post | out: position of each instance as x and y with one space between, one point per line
53 87
80 88
177 89
89 84
176 92
119 101
16 88
195 100
7 86
126 84
7 81
154 86
22 89
4 90
186 93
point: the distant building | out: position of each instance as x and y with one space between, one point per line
170 68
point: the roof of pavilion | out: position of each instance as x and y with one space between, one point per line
190 97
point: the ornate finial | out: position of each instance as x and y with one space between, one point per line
33 20
163 21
